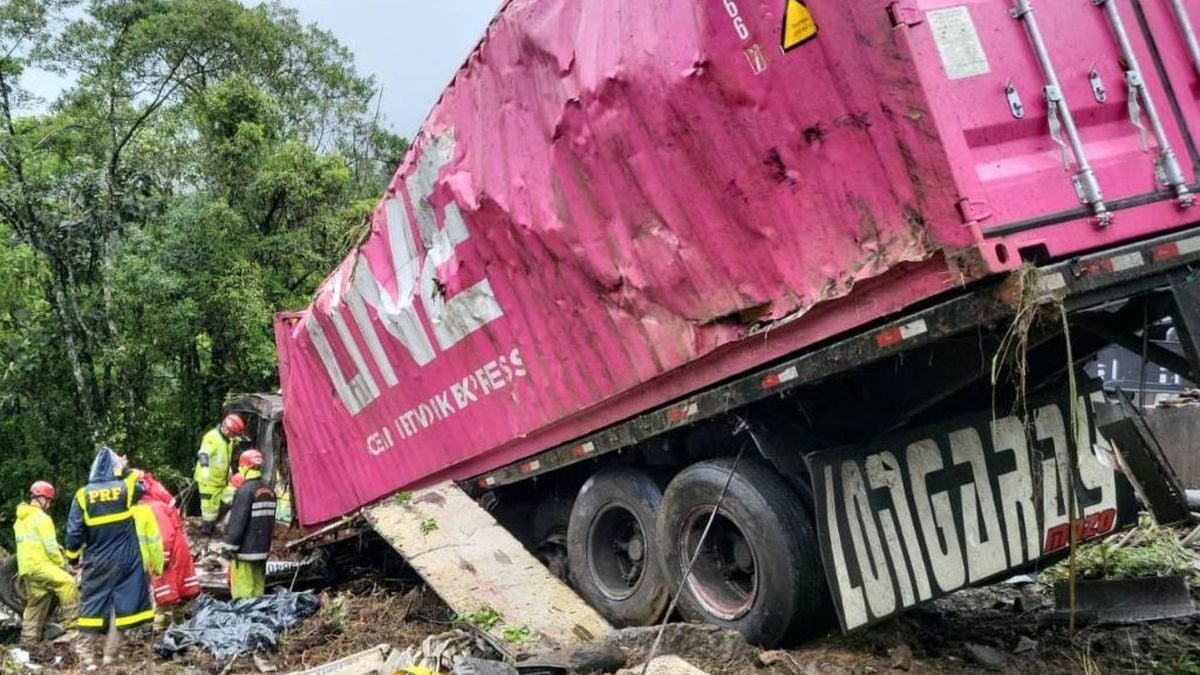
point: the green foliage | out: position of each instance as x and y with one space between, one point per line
428 525
485 617
208 165
516 635
1155 551
404 497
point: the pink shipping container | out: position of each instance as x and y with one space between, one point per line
618 203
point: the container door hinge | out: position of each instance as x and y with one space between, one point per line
905 13
973 210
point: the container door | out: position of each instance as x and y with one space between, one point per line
1170 27
1053 112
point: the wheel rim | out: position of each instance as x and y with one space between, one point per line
617 552
724 578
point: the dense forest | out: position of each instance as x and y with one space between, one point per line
204 165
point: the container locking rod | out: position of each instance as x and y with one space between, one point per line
1087 187
1189 34
1166 164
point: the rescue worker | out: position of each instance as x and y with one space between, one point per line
212 470
102 532
150 542
41 566
178 581
250 529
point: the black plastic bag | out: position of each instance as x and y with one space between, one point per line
237 627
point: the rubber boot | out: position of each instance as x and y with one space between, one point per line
85 650
112 644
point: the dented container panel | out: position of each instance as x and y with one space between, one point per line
615 204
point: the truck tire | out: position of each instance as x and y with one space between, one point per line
759 571
612 548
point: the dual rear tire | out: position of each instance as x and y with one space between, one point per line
758 570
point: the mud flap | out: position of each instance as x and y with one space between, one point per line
917 515
480 570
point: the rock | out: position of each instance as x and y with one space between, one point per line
985 655
1025 644
692 640
593 657
902 657
665 665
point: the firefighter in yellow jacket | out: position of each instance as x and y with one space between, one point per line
212 470
40 564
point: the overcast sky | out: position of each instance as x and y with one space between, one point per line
412 47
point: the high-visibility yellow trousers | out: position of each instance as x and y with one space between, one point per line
247 578
42 586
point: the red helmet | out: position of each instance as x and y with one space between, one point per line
233 425
42 489
250 459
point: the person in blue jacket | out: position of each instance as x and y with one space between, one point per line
114 590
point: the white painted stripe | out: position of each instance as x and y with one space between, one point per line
1189 245
1127 261
789 374
913 329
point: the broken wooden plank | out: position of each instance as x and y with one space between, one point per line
483 573
366 662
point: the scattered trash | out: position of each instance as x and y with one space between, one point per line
22 658
986 656
1126 600
445 651
227 629
1025 644
1020 580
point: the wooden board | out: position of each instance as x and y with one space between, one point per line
475 565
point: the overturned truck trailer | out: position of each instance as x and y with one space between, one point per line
642 248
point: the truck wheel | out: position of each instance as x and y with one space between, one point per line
759 570
612 548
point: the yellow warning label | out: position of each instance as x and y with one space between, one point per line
798 25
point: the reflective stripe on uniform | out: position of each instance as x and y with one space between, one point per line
91 622
92 521
252 557
140 617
